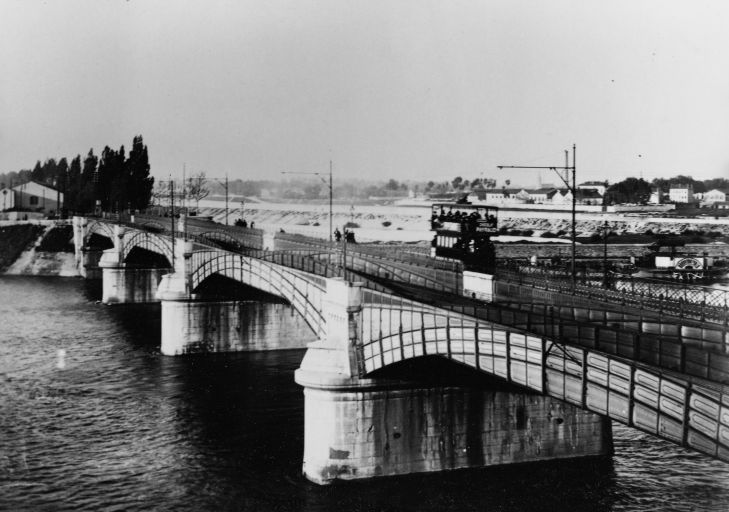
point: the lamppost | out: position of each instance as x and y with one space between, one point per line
225 185
331 191
573 190
605 233
172 219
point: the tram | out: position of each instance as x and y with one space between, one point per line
463 231
684 267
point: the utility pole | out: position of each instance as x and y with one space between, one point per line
331 197
572 187
331 192
172 219
604 255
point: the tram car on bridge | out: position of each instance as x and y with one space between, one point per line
463 231
685 267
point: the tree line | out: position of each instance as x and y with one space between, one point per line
638 191
116 180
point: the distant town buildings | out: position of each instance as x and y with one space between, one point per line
714 196
599 186
587 194
681 193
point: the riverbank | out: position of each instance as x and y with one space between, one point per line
37 248
390 223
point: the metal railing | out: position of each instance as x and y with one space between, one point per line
687 301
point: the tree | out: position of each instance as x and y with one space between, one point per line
630 190
160 194
74 185
720 183
89 189
392 185
197 188
111 182
139 182
60 180
37 173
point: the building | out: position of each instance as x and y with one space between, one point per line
656 196
507 195
542 195
36 197
600 186
682 193
714 196
589 196
7 199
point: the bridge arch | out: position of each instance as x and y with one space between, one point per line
148 241
99 228
221 237
690 413
304 292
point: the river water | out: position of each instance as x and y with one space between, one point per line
114 425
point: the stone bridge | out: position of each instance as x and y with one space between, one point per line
363 417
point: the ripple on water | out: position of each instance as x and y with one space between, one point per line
121 428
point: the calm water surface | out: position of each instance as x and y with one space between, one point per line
120 427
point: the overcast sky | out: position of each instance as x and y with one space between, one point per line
386 89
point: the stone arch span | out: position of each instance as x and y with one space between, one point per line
691 413
303 291
219 236
100 228
148 241
382 268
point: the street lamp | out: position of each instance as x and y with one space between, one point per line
331 191
225 185
572 188
604 255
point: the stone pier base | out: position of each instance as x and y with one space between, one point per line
190 326
124 285
369 431
89 267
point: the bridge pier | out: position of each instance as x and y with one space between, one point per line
367 427
192 324
89 263
125 284
87 258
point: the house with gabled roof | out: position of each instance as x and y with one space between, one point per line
37 197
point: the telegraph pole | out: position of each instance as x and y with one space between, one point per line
331 192
172 219
604 255
572 187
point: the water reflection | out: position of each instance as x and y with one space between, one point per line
123 428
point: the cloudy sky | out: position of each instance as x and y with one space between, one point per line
385 88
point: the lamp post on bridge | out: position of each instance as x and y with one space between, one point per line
328 184
331 215
606 232
573 190
224 183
